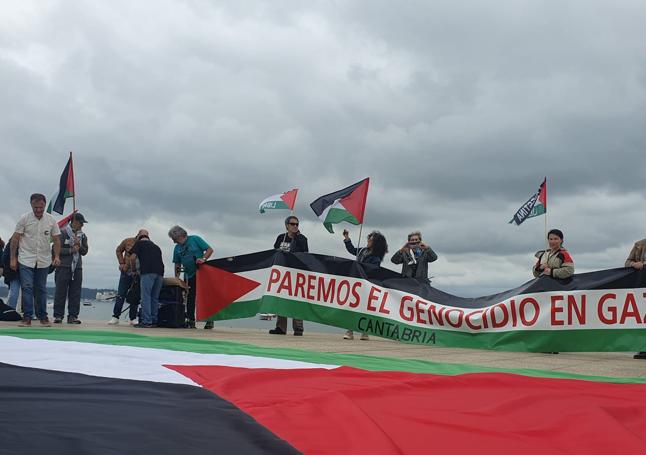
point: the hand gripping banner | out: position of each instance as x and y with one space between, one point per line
597 311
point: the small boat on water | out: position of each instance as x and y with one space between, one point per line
267 316
106 295
87 302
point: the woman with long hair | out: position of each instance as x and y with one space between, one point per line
373 253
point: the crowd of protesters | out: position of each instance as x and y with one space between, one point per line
38 246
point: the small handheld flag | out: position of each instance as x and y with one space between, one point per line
535 206
279 201
347 204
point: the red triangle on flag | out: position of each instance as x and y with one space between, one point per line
217 289
355 202
290 198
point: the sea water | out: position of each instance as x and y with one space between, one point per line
97 310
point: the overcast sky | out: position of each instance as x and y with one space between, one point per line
191 112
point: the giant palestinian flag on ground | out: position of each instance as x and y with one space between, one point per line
70 391
597 311
346 205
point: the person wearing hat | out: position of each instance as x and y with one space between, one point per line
69 274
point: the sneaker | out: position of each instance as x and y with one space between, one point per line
208 325
58 320
277 331
298 334
640 355
364 337
348 335
113 321
26 322
71 320
45 322
133 322
191 325
143 326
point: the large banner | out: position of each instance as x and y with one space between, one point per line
597 311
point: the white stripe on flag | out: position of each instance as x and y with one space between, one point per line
125 362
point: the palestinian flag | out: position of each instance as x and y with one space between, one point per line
279 201
347 205
63 221
535 206
70 391
65 189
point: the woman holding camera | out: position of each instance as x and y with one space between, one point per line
373 253
414 256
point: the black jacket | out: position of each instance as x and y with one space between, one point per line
297 244
9 275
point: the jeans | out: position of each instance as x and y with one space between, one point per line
34 280
14 292
151 284
125 281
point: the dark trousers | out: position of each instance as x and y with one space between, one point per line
67 289
190 299
125 281
281 323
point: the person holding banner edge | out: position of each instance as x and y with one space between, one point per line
190 252
291 241
636 260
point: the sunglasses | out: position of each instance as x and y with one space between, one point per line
293 224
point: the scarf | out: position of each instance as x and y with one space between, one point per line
72 238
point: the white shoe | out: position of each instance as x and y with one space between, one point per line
113 321
133 322
364 337
348 335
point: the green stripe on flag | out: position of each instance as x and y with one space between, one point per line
370 363
581 340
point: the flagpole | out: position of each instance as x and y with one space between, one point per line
359 241
73 194
294 204
546 240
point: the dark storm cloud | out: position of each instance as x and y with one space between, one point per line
192 112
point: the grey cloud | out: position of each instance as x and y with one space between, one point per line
192 112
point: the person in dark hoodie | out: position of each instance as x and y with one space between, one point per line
373 253
11 277
151 276
291 241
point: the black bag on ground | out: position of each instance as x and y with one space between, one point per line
171 294
133 296
7 313
171 315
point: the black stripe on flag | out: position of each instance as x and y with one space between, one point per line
51 412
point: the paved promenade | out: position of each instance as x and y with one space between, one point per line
619 364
